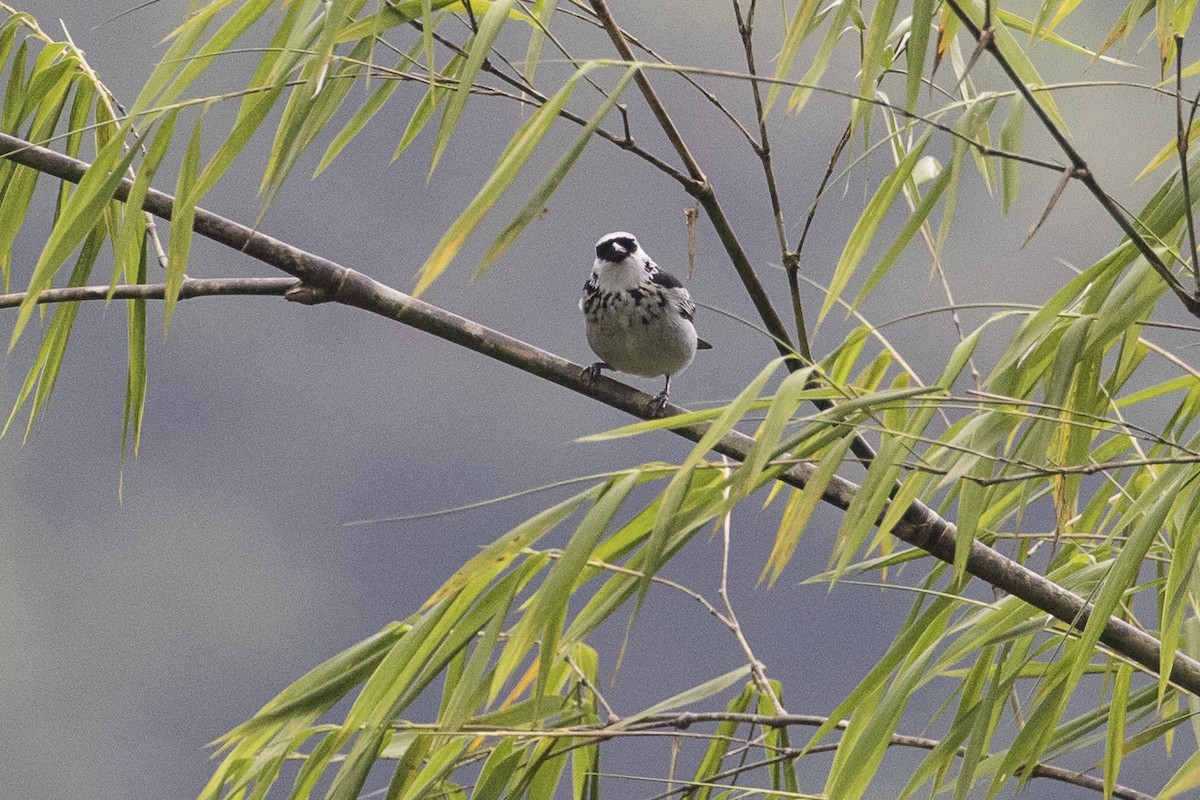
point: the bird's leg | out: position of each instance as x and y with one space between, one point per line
591 373
660 400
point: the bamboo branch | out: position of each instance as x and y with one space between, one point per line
192 287
1080 170
326 280
680 723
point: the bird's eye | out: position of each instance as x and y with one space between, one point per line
630 244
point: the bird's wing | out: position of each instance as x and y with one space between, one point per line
674 289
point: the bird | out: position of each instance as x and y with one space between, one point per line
639 317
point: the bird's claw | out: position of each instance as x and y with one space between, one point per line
591 373
658 403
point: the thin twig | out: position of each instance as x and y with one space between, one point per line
591 18
1079 167
758 670
192 287
680 722
746 30
625 142
792 264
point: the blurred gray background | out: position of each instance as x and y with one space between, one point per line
135 632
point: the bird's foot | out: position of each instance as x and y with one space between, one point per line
658 403
591 373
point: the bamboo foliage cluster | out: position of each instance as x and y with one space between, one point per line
505 641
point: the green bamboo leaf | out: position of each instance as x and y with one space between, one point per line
365 114
798 29
348 782
1164 29
1181 573
404 12
971 502
840 9
1114 743
874 53
868 223
318 690
545 616
915 221
518 151
868 736
304 117
499 554
916 50
1011 137
429 104
477 52
180 67
135 376
680 420
541 12
703 496
667 521
498 771
131 239
548 762
1019 23
43 373
800 509
718 747
332 22
541 196
15 94
470 692
183 214
711 687
79 217
1016 56
20 182
982 720
784 404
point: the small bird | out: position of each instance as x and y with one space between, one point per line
639 318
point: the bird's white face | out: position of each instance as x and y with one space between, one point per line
614 248
620 261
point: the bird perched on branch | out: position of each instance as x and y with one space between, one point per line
639 318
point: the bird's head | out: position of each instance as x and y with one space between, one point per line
616 247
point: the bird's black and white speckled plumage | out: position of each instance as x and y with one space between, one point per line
639 318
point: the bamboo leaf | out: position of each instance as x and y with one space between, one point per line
477 51
840 9
798 29
544 617
916 51
1011 138
554 179
704 691
868 223
183 215
666 521
518 151
78 219
1114 743
800 509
